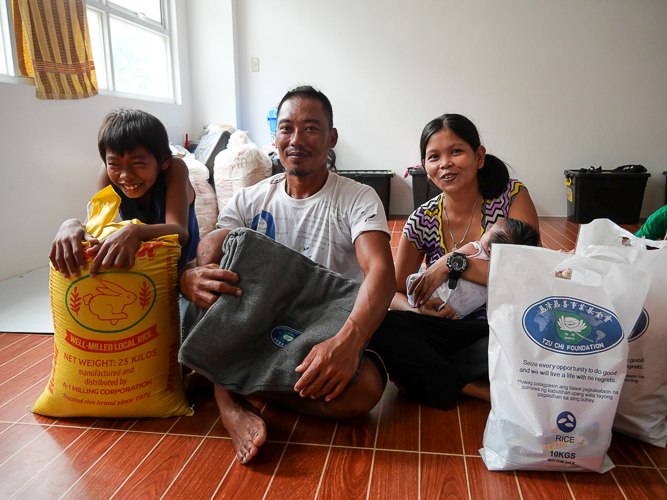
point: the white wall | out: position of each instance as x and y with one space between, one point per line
550 85
212 63
49 160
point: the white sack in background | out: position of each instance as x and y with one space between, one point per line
206 204
241 165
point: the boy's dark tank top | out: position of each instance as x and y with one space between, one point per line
155 214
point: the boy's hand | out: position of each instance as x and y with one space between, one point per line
117 250
66 253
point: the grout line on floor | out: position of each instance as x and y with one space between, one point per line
375 443
326 461
23 337
41 381
275 471
144 459
26 352
618 484
203 438
18 451
463 449
653 462
223 478
569 488
518 486
48 464
96 461
31 366
419 449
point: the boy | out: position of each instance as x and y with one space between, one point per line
153 187
467 297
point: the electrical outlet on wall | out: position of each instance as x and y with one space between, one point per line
254 64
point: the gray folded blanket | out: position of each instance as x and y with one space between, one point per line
289 304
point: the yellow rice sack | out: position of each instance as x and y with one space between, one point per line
117 336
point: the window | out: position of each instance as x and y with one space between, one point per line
131 42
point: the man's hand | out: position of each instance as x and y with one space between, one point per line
327 369
66 253
203 285
424 286
430 307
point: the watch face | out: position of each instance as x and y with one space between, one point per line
457 262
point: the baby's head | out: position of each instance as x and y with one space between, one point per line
513 231
135 147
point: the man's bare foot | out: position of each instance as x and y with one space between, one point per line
243 422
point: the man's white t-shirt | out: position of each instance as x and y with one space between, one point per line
323 227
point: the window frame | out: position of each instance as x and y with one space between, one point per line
107 9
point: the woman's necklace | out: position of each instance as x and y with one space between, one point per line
472 214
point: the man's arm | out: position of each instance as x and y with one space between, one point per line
201 280
330 365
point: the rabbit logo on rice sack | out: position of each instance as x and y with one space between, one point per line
572 326
103 305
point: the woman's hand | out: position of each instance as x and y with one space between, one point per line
430 307
67 248
424 286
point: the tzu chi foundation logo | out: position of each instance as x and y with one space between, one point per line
570 326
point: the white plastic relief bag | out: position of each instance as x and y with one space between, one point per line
643 404
557 357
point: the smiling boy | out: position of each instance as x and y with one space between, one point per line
153 187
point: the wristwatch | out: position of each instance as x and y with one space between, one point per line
457 263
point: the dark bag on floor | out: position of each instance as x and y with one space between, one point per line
289 304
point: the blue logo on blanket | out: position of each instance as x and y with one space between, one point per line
566 421
570 326
640 326
283 335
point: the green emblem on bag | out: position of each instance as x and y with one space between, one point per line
572 328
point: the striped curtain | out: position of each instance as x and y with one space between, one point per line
60 56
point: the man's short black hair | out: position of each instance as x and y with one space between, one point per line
308 92
516 232
124 129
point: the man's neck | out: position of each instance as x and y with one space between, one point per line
305 186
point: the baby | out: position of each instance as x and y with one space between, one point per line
468 296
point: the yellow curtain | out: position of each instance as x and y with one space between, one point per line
60 57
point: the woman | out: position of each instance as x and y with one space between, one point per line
428 354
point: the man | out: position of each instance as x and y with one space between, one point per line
337 223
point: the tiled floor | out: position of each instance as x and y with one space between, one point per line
401 450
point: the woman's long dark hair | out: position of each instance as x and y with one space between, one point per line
493 176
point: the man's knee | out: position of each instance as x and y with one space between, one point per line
363 395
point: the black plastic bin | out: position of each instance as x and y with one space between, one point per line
380 180
607 194
423 188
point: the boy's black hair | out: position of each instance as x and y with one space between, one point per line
124 129
516 232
